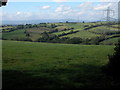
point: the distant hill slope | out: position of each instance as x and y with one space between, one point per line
55 31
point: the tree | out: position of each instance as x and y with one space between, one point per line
45 37
83 22
20 26
27 34
113 66
74 40
67 22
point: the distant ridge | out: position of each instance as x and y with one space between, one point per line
8 22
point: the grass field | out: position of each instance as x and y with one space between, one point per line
112 41
14 34
103 29
60 32
38 30
52 66
75 25
19 34
6 27
61 28
82 34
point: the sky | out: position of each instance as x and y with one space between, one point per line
64 0
91 10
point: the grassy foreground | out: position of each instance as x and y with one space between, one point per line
52 66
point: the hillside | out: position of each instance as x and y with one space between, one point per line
83 33
51 66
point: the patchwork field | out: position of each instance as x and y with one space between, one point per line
88 30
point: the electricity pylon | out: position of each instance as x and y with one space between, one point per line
108 11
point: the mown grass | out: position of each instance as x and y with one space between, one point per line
82 34
54 66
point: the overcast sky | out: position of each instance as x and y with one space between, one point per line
57 9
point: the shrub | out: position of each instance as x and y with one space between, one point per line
113 66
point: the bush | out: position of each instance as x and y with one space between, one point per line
113 66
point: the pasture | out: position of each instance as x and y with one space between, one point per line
83 34
29 65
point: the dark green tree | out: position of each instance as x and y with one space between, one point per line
75 40
27 34
113 66
67 22
45 37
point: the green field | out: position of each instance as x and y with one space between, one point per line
74 25
6 27
83 34
103 29
52 66
60 32
38 30
14 34
112 41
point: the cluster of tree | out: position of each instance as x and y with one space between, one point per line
56 39
49 25
52 31
111 33
17 27
22 39
97 40
106 33
65 29
27 33
8 29
19 39
46 37
70 22
71 32
53 26
86 25
56 30
92 26
28 26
